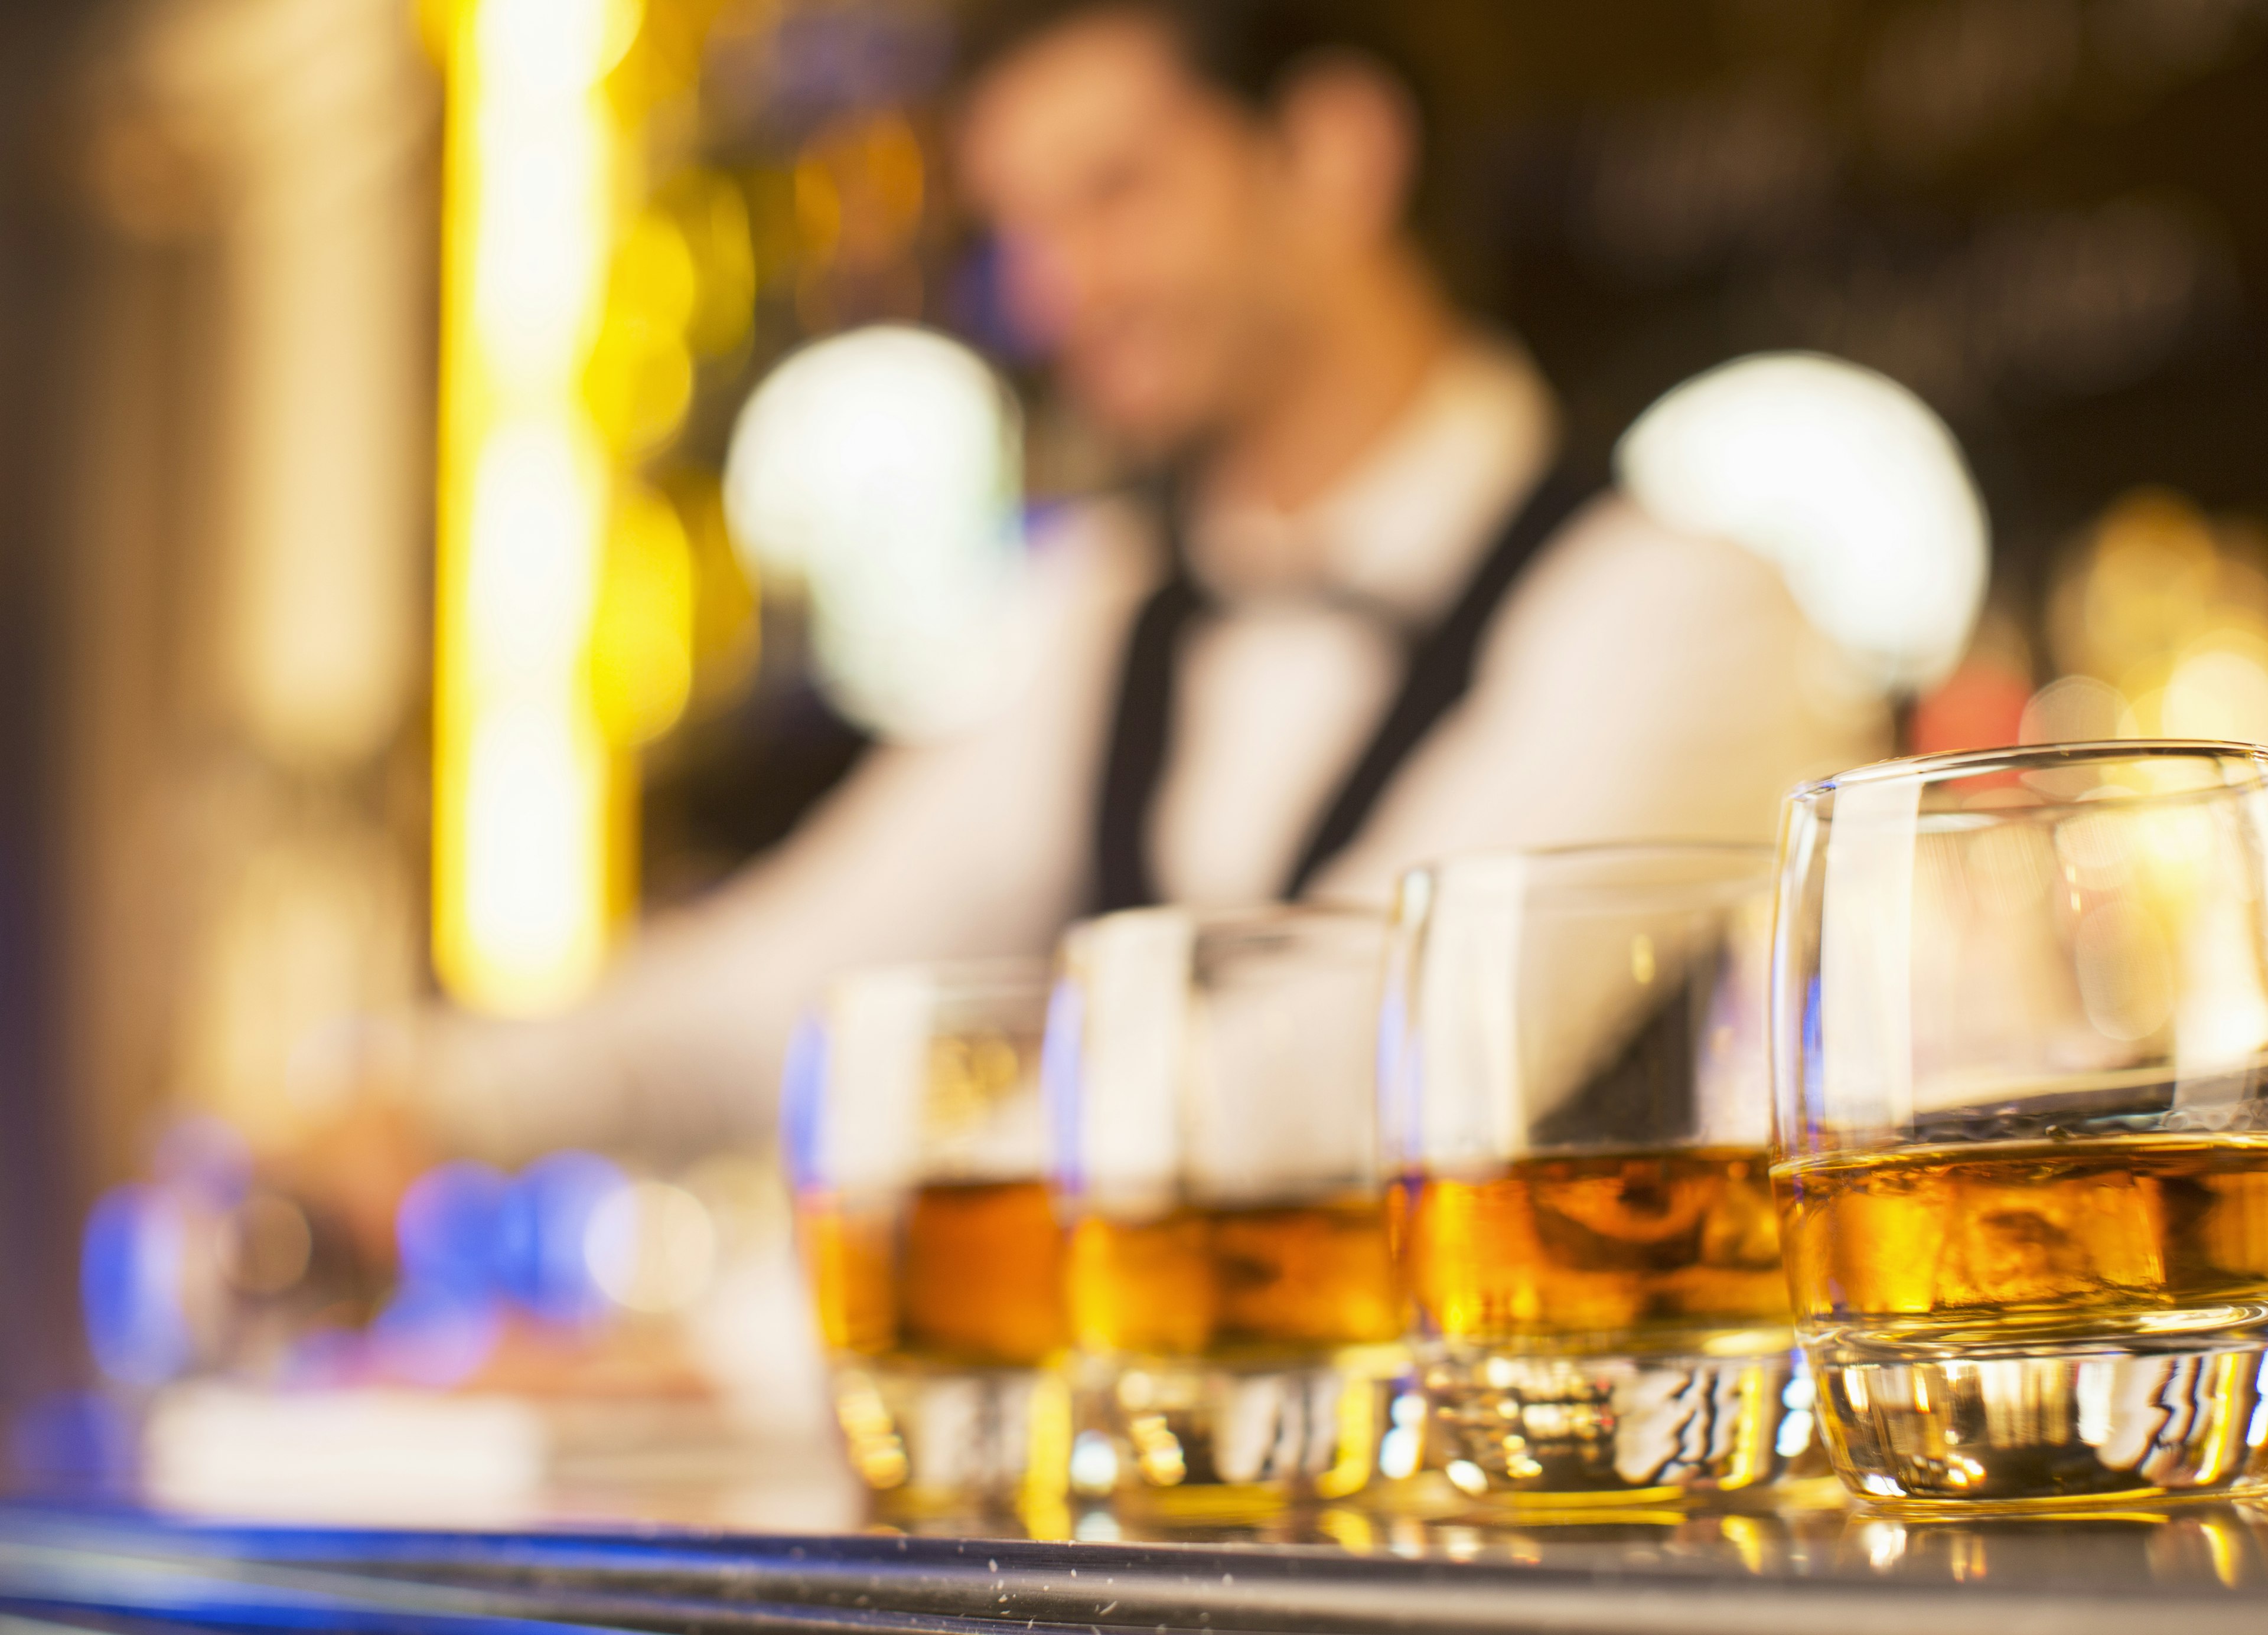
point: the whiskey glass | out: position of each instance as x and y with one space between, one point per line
2019 1007
1230 1286
1576 1103
915 1136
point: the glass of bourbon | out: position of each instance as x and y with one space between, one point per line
1576 1101
917 1142
2019 1013
1232 1290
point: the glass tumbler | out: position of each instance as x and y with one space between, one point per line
917 1141
1230 1286
1576 1100
2019 1009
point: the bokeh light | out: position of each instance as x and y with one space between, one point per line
2219 689
532 577
591 265
542 1232
642 644
445 1317
531 847
803 1103
640 380
1845 480
882 468
523 792
650 1247
2159 626
266 1246
445 1227
435 1336
131 1284
2075 709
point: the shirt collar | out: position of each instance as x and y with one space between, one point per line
1406 527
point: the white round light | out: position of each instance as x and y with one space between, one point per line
1844 479
650 1247
883 468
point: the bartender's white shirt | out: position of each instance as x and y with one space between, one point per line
1636 685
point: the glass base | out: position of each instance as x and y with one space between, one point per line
1576 1432
2085 1423
1204 1439
930 1437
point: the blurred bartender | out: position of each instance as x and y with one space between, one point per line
1391 610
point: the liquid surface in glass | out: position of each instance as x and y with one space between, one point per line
965 1272
1675 1241
1231 1281
2081 1236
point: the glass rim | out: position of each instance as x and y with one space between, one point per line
1954 764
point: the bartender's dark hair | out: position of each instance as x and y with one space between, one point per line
1249 49
1246 47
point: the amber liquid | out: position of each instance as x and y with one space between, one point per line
1644 1247
2010 1324
967 1273
1229 1282
1605 1325
1985 1238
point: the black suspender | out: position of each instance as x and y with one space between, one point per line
1138 741
1438 673
1441 665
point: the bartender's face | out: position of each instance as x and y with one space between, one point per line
1155 237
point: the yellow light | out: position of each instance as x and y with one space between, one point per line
533 541
716 230
540 235
534 844
549 50
655 270
2219 689
642 648
528 806
639 383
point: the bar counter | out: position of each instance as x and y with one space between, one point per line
1821 1572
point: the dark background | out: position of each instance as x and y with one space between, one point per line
38 1217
